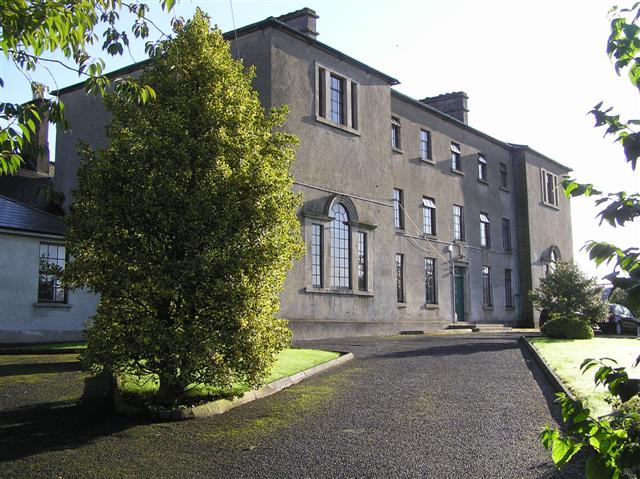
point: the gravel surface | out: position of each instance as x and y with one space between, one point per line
457 406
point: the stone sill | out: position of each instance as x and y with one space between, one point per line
457 172
505 189
339 126
402 305
431 306
397 150
428 160
484 182
52 305
487 308
550 205
339 292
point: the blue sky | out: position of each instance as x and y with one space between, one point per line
532 71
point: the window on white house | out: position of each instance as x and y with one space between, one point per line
52 261
456 157
428 216
485 231
549 188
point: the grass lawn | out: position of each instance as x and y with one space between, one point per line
289 361
564 356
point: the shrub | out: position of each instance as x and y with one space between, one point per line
567 292
562 328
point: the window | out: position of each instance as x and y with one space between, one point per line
395 133
337 98
456 162
52 261
336 101
458 223
425 145
340 257
486 286
362 261
316 255
428 216
398 209
549 188
482 168
430 280
400 277
506 234
504 179
508 289
485 231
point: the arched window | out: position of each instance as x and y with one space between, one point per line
340 249
552 258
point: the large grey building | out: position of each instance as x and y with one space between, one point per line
412 219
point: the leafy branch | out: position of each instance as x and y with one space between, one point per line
69 27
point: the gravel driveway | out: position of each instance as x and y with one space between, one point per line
460 406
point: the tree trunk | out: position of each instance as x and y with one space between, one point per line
169 391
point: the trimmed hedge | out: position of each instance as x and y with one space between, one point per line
567 329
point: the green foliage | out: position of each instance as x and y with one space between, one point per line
31 29
620 296
567 328
568 294
186 224
611 442
619 208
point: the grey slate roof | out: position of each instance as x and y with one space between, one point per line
16 216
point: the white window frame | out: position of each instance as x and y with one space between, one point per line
552 201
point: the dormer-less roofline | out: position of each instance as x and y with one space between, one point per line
270 22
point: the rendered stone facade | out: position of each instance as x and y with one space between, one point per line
344 112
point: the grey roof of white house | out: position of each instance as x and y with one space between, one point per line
16 216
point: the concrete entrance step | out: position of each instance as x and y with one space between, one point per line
461 325
491 328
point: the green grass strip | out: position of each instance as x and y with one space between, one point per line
289 362
565 356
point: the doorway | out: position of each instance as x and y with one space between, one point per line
459 292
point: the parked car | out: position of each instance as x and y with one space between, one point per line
620 320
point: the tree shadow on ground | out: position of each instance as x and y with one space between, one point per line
468 347
37 428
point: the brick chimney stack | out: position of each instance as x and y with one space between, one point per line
303 20
36 151
453 104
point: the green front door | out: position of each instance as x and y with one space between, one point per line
459 293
